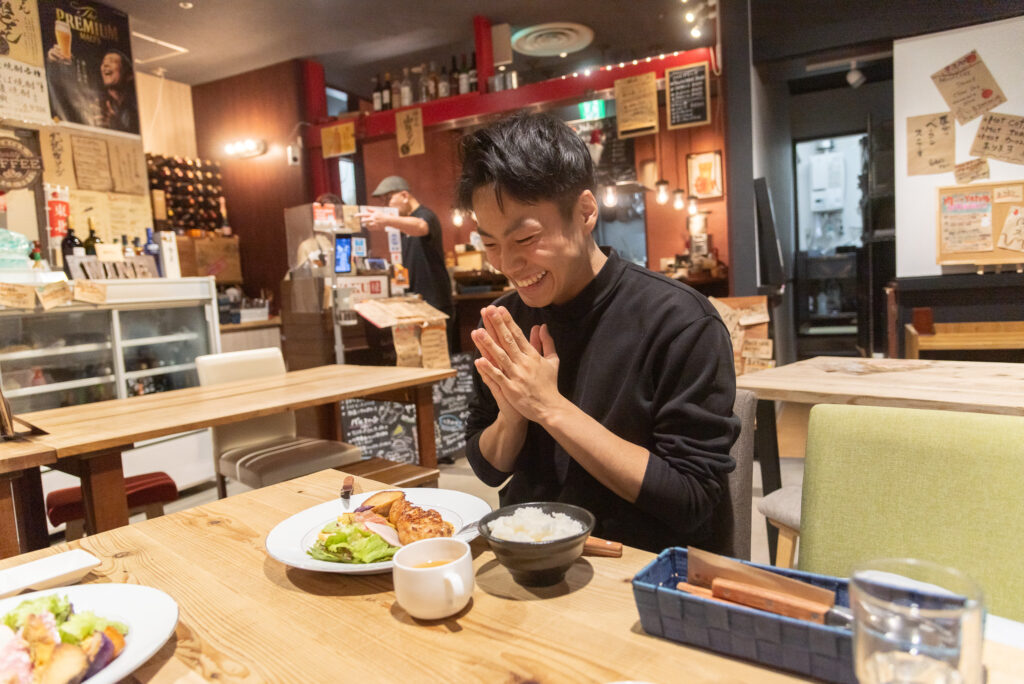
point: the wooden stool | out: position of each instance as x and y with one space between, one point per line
392 473
146 494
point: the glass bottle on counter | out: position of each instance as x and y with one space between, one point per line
126 246
153 249
92 239
443 86
396 92
68 247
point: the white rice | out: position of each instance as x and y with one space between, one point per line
529 524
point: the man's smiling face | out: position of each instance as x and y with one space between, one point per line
542 252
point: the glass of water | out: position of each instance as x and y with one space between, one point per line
916 621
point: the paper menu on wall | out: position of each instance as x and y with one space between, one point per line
931 144
86 204
128 166
92 163
57 165
23 33
130 215
636 105
23 92
1012 235
966 222
1000 136
968 87
971 170
1008 193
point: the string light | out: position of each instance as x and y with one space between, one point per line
610 198
662 191
678 199
457 218
693 206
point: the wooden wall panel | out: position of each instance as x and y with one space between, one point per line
268 104
165 112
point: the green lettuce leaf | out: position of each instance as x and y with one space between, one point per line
351 544
80 625
58 605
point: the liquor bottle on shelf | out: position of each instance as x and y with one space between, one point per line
126 247
377 103
396 92
385 92
70 246
92 239
443 85
463 76
406 88
153 249
136 246
472 74
433 81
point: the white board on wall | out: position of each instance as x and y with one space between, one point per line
914 61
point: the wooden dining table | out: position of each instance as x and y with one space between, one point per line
244 616
973 386
87 440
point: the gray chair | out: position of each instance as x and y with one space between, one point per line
731 519
266 450
782 509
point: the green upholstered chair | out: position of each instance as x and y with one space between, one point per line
943 486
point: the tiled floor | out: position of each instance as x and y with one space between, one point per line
459 476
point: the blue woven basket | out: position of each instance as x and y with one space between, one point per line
784 643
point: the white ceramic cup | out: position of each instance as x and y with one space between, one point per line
428 590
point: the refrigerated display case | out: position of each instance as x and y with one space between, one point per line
144 339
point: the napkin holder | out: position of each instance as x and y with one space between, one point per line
819 651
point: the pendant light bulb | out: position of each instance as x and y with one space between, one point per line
610 198
457 218
692 209
678 199
662 192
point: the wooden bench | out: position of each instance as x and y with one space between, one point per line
964 336
392 473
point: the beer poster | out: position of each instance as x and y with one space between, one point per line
88 57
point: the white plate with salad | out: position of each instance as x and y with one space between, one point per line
145 616
292 539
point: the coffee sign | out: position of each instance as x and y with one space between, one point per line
19 168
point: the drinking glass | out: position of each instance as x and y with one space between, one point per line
916 621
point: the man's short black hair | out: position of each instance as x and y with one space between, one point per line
530 157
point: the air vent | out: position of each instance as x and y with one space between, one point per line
553 39
146 49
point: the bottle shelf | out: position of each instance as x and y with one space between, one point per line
55 351
159 370
58 386
160 339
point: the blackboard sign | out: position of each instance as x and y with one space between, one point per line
688 95
388 430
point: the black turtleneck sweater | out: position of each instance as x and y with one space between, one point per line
650 359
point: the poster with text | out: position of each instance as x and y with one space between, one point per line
966 222
19 32
968 87
89 65
931 143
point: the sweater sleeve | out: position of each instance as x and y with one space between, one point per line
694 427
483 411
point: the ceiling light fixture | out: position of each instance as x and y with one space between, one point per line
456 218
855 77
185 5
610 197
662 191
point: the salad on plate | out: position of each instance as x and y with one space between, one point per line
44 640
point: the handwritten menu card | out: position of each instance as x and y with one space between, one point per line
688 95
972 169
1000 136
931 144
965 222
409 132
128 166
1012 235
968 87
23 93
338 140
56 148
92 163
636 105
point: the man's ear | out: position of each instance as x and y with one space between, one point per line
586 205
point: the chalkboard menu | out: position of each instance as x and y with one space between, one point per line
688 95
388 430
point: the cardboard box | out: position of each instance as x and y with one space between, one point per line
216 256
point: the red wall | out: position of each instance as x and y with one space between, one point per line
432 177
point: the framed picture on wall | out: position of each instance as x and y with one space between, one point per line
704 174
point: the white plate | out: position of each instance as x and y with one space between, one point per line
290 539
44 573
150 614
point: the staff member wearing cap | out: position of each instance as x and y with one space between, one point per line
422 244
